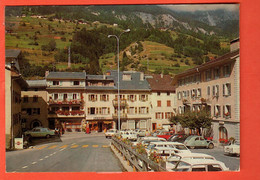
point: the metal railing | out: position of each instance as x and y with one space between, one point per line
137 161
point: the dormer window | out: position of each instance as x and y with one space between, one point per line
56 83
127 77
76 83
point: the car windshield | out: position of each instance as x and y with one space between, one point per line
151 146
181 147
188 138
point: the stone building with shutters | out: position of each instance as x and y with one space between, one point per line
163 101
214 86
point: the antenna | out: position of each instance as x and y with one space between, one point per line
69 62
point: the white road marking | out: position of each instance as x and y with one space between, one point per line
46 156
73 143
14 172
41 159
25 167
34 162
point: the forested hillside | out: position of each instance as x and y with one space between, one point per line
48 36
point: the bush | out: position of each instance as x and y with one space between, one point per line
177 65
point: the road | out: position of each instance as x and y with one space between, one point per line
75 152
232 162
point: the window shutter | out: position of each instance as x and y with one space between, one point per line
96 110
100 110
217 90
128 97
95 97
224 111
213 90
147 110
146 97
100 97
139 110
108 110
107 97
135 110
224 87
127 110
88 110
166 115
162 115
229 89
39 110
156 115
139 97
60 96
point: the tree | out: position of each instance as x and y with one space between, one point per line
193 120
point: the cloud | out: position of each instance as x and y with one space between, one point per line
203 7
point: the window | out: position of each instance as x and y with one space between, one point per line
168 103
131 110
215 91
74 96
194 93
216 73
56 96
158 93
227 70
104 97
208 90
56 83
65 97
143 97
25 99
143 110
159 115
159 104
75 83
183 93
131 97
168 115
168 93
35 98
91 110
75 108
217 111
227 111
227 89
179 95
208 75
126 77
199 92
36 111
92 97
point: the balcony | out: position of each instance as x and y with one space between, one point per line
185 101
122 103
122 115
60 113
199 100
69 102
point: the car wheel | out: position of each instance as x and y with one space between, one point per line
192 147
211 146
48 136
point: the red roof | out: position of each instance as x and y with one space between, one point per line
161 83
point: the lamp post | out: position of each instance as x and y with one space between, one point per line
118 92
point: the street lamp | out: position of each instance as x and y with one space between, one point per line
118 98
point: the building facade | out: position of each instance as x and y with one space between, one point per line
163 101
214 86
14 84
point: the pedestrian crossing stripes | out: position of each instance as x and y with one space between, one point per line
72 146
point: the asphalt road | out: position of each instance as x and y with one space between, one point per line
232 162
74 152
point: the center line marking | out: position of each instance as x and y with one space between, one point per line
41 159
84 146
46 156
25 167
34 162
52 147
105 146
95 146
64 146
75 146
42 147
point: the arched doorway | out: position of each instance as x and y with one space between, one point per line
223 135
35 123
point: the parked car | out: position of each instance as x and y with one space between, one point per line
131 135
198 165
165 135
233 148
178 138
40 132
177 147
198 141
111 132
147 140
140 132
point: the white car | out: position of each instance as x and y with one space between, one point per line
131 135
173 160
233 149
178 147
189 164
111 132
140 132
147 140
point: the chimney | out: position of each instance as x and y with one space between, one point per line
141 76
47 73
234 45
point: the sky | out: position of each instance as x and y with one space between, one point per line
203 7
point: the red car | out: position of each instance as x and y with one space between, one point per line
165 135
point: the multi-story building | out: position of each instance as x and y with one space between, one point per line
66 100
34 105
102 101
163 101
215 86
14 84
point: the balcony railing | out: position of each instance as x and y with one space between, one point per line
122 102
122 115
67 113
51 101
